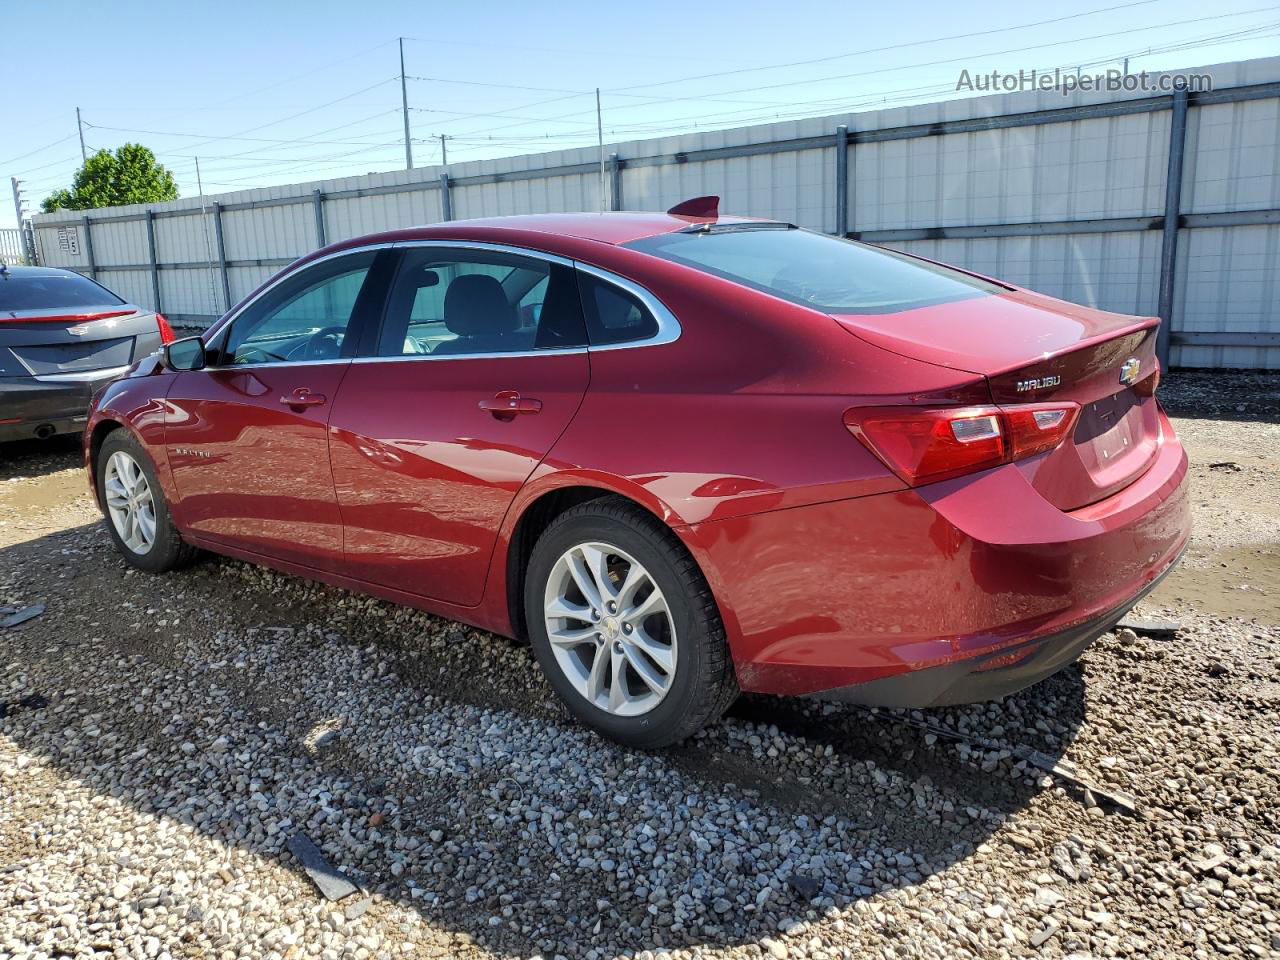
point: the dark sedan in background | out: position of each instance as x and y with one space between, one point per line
62 336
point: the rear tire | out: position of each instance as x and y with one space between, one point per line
639 651
136 512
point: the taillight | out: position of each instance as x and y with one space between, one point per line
926 445
166 331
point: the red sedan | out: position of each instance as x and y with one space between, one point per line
682 454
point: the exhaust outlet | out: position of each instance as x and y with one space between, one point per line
45 431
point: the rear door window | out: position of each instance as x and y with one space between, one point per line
815 270
467 302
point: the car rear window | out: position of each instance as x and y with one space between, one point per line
52 291
826 273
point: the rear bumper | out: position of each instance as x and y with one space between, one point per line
30 406
974 575
994 675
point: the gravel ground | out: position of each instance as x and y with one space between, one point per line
163 738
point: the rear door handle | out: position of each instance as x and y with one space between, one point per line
507 404
303 397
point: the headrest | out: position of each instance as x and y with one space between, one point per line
476 305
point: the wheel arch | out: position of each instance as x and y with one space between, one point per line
539 507
97 437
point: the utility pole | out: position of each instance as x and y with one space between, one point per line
208 246
404 104
604 201
444 151
84 154
17 210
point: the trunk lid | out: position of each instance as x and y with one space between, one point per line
1035 349
53 342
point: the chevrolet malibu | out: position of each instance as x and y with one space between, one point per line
681 454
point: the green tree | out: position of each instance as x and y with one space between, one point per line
130 175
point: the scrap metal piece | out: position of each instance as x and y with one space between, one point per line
331 881
1151 628
23 615
1069 771
1058 767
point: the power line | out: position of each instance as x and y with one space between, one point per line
932 63
807 107
327 68
239 135
540 49
174 133
32 153
895 46
46 166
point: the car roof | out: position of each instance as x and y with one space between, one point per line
613 228
21 271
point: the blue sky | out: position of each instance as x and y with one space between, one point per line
268 93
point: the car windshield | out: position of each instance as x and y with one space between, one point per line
826 273
52 291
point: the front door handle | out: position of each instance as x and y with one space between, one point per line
508 404
303 397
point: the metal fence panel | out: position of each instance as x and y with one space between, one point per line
355 216
1118 269
1233 153
1229 282
11 245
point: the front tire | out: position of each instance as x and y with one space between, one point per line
625 627
137 514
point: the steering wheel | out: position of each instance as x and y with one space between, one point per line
249 354
324 344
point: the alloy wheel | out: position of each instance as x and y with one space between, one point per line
610 629
129 502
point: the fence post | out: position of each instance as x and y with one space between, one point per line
615 182
1172 214
318 200
88 247
155 264
222 255
446 202
842 180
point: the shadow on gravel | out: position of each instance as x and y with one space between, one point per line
36 458
1249 396
496 817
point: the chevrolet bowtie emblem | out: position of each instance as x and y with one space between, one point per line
1129 371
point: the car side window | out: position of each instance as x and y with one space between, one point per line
306 317
614 315
456 302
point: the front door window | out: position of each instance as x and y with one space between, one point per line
304 319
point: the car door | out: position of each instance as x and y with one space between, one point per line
480 365
246 436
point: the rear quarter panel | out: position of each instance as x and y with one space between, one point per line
741 415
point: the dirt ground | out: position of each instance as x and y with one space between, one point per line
161 738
